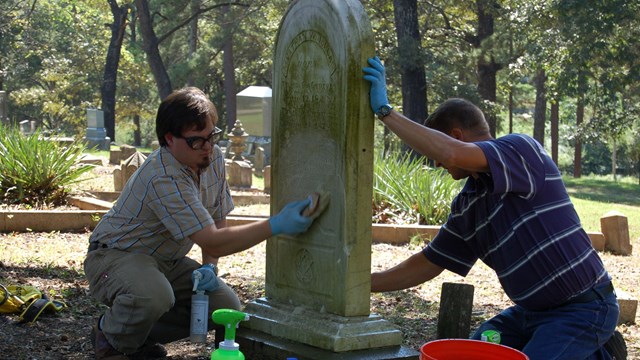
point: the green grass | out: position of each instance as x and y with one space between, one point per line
594 196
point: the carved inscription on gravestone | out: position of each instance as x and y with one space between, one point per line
310 147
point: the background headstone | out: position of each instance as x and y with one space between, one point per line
615 227
318 283
254 110
4 107
96 133
122 173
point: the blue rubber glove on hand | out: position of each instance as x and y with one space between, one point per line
208 278
376 76
290 219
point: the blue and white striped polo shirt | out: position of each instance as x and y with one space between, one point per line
162 204
519 220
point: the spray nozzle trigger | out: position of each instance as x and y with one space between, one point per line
197 276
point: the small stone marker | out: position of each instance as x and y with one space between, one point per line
615 227
454 318
4 113
628 307
122 173
597 240
239 169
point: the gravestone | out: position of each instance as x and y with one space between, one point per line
239 170
27 127
318 283
254 110
4 107
262 158
122 173
615 227
96 133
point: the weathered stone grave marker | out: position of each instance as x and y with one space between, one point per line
318 283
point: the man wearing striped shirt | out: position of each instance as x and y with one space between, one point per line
515 215
137 262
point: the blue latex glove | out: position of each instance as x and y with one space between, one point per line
290 220
208 278
376 76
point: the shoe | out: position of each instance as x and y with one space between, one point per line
101 347
104 351
149 351
616 346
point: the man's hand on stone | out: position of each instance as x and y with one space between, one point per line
290 220
375 74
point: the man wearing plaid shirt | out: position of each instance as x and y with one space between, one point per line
137 262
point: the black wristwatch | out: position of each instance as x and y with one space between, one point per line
383 111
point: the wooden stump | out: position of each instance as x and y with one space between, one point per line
454 318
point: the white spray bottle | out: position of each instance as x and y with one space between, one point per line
199 311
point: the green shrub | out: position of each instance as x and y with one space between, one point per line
408 192
36 172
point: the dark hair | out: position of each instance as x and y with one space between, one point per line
184 109
458 112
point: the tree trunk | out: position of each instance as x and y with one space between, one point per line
228 67
577 157
511 110
614 161
150 47
539 114
108 88
137 134
193 35
555 121
487 67
414 83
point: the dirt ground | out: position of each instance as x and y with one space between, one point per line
53 263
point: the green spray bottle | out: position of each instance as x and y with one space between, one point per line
228 349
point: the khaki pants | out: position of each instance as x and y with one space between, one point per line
149 300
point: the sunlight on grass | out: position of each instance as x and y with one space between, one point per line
595 196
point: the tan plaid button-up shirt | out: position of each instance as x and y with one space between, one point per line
162 204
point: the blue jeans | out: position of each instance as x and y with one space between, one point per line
571 331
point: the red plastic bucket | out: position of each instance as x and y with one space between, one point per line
464 349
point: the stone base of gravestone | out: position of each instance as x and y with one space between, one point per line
322 330
102 144
240 174
257 345
615 228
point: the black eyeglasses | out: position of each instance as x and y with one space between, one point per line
197 142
